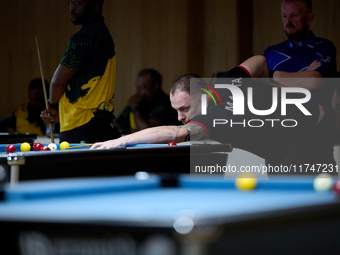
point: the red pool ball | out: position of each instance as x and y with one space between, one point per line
37 146
45 148
336 187
10 148
172 144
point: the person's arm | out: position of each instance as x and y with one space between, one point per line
58 85
162 134
308 79
256 66
324 65
59 82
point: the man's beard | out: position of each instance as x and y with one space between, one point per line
299 35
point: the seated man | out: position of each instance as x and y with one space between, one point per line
149 107
275 136
26 117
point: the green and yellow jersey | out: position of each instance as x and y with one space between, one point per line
91 55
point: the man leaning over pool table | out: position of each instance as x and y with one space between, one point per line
281 144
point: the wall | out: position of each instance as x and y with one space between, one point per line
172 36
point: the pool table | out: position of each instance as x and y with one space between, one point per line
157 158
136 215
17 146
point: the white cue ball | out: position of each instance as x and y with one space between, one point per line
323 182
52 146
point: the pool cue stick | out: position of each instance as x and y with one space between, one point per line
44 87
79 146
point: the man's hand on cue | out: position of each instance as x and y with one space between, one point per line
50 116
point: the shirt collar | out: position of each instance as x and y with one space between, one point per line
303 42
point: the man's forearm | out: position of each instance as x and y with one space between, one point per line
56 93
305 79
59 83
162 134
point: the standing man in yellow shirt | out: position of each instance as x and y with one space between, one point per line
84 82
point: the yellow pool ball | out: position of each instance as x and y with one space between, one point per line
246 182
64 145
25 147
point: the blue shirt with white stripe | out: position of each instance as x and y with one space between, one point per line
285 57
